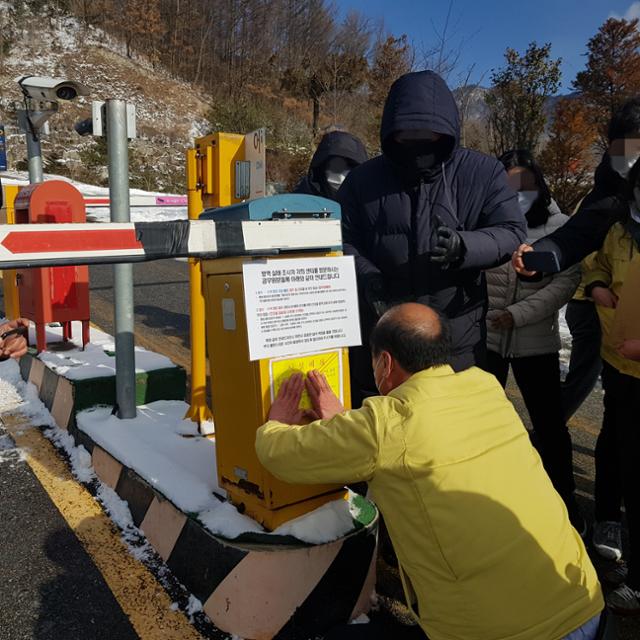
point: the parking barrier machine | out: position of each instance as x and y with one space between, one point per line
241 389
258 227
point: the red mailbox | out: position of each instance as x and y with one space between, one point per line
53 294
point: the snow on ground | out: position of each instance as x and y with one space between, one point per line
101 214
565 339
97 360
167 451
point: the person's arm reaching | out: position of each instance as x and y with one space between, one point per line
584 233
342 449
501 227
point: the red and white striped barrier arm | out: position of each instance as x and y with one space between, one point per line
49 245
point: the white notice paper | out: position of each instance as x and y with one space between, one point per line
300 305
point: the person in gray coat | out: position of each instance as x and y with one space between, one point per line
523 331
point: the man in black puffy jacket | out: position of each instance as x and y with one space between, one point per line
424 219
338 152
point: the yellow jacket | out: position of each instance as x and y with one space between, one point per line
483 539
610 266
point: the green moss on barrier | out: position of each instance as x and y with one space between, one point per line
160 384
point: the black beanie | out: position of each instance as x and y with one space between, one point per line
625 123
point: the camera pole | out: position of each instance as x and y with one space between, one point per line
34 150
118 151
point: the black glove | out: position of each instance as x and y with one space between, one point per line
449 246
376 296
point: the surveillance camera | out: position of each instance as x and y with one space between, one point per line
44 88
84 127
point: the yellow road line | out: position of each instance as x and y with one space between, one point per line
141 597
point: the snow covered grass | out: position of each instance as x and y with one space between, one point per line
97 359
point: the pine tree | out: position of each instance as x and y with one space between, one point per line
393 58
568 157
517 97
613 71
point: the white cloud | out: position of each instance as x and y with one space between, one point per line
632 12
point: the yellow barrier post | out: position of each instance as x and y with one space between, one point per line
9 279
210 183
198 411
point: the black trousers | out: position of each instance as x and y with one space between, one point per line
538 378
585 364
617 458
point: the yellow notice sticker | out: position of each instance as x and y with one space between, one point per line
327 362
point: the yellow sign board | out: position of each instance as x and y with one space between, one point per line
327 362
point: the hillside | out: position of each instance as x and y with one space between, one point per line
169 112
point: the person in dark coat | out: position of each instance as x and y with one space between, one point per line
424 219
338 152
605 205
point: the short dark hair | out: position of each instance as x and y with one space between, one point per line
625 122
410 345
539 212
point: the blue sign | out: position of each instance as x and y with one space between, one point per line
3 149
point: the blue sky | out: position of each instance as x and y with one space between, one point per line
488 27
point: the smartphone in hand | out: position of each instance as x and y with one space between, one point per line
542 261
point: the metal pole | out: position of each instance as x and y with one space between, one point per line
34 156
118 151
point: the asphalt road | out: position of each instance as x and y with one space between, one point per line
161 306
50 588
43 558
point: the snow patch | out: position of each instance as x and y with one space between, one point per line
154 444
193 606
16 395
328 522
167 451
101 214
79 457
97 360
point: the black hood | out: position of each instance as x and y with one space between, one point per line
341 144
334 144
420 100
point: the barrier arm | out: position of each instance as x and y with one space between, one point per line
53 245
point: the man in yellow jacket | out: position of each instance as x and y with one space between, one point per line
483 540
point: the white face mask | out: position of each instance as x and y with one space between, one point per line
336 179
526 200
378 383
623 164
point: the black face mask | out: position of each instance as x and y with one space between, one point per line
418 158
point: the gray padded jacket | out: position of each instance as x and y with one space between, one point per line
533 305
